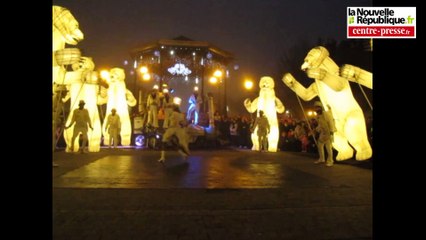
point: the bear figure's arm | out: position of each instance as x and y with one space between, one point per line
131 100
305 93
358 75
279 106
251 106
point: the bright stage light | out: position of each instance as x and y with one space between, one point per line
143 69
213 80
248 84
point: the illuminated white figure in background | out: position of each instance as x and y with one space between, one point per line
65 31
119 97
335 93
167 104
195 101
270 105
84 88
153 104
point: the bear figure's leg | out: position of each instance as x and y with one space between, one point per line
344 150
126 131
356 133
273 138
255 140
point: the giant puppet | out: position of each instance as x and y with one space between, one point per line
84 87
119 97
81 83
270 106
335 94
65 30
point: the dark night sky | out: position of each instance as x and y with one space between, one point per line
255 31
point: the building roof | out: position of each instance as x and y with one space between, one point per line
181 41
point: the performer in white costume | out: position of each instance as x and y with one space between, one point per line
326 129
80 117
167 105
176 128
113 126
153 104
195 101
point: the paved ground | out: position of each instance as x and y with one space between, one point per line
223 194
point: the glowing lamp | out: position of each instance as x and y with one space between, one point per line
144 70
105 74
248 84
213 80
217 73
146 76
177 101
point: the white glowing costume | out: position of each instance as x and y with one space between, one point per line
79 122
326 128
113 126
153 103
119 97
335 93
270 105
86 88
167 103
194 107
177 129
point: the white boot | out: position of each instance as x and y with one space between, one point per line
183 154
163 156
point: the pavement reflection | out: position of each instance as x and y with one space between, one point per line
203 169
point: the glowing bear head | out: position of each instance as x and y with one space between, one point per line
266 85
67 25
315 58
116 75
85 63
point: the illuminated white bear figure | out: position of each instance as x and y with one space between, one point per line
119 97
85 88
335 93
270 106
65 30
